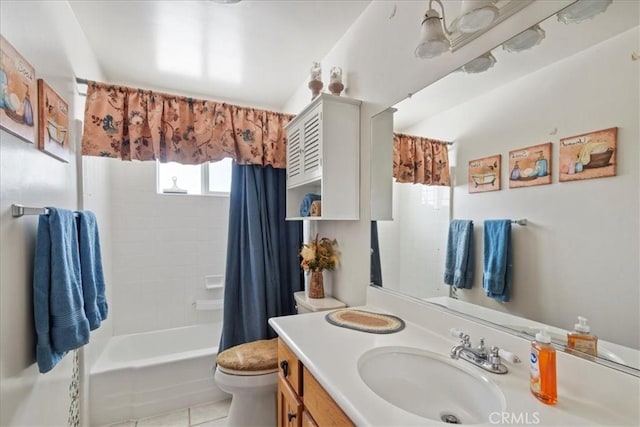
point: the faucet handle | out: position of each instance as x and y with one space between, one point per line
464 337
466 341
494 359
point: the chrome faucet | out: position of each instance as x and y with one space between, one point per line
489 361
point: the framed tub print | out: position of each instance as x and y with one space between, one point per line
530 166
484 174
18 93
590 155
53 122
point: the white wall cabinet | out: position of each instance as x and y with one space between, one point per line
323 157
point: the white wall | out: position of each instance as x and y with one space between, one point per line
376 55
579 254
164 246
32 178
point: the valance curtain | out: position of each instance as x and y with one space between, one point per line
420 160
135 124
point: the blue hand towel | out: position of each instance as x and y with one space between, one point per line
305 206
59 318
459 262
498 259
95 303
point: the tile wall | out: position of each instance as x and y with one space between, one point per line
163 247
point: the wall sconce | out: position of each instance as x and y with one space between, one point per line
434 36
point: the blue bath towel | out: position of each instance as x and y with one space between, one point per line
95 303
59 318
305 205
459 262
498 259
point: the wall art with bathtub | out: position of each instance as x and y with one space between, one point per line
590 155
17 90
484 174
530 166
53 122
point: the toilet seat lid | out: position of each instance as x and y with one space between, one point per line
252 358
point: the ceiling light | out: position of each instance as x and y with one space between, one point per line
480 64
582 9
476 15
525 40
433 34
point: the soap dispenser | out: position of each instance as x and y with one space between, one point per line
581 340
543 369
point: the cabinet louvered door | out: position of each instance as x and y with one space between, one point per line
312 149
294 157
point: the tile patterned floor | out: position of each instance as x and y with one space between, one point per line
213 414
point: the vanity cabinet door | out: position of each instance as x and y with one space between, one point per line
307 421
324 410
289 367
289 406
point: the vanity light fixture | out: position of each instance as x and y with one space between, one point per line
525 40
582 10
476 15
433 34
480 64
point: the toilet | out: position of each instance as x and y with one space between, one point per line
249 372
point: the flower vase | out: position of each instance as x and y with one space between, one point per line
316 286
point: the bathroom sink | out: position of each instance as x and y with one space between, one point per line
430 385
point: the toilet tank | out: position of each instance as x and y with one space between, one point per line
310 305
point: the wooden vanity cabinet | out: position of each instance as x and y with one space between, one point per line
302 401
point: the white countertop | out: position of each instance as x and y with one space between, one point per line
331 354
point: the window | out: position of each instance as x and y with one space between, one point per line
206 179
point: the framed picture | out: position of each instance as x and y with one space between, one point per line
484 174
590 155
18 83
53 122
530 166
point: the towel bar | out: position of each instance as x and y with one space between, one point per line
19 210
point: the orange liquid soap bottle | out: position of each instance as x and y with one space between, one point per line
581 340
543 369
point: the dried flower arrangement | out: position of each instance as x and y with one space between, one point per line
320 254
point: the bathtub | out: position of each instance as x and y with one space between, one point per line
141 375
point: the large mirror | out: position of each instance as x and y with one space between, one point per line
578 254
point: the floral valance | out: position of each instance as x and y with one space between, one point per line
420 160
135 124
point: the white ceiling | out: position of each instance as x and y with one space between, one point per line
561 41
257 52
253 53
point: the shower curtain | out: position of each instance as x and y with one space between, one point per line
263 267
